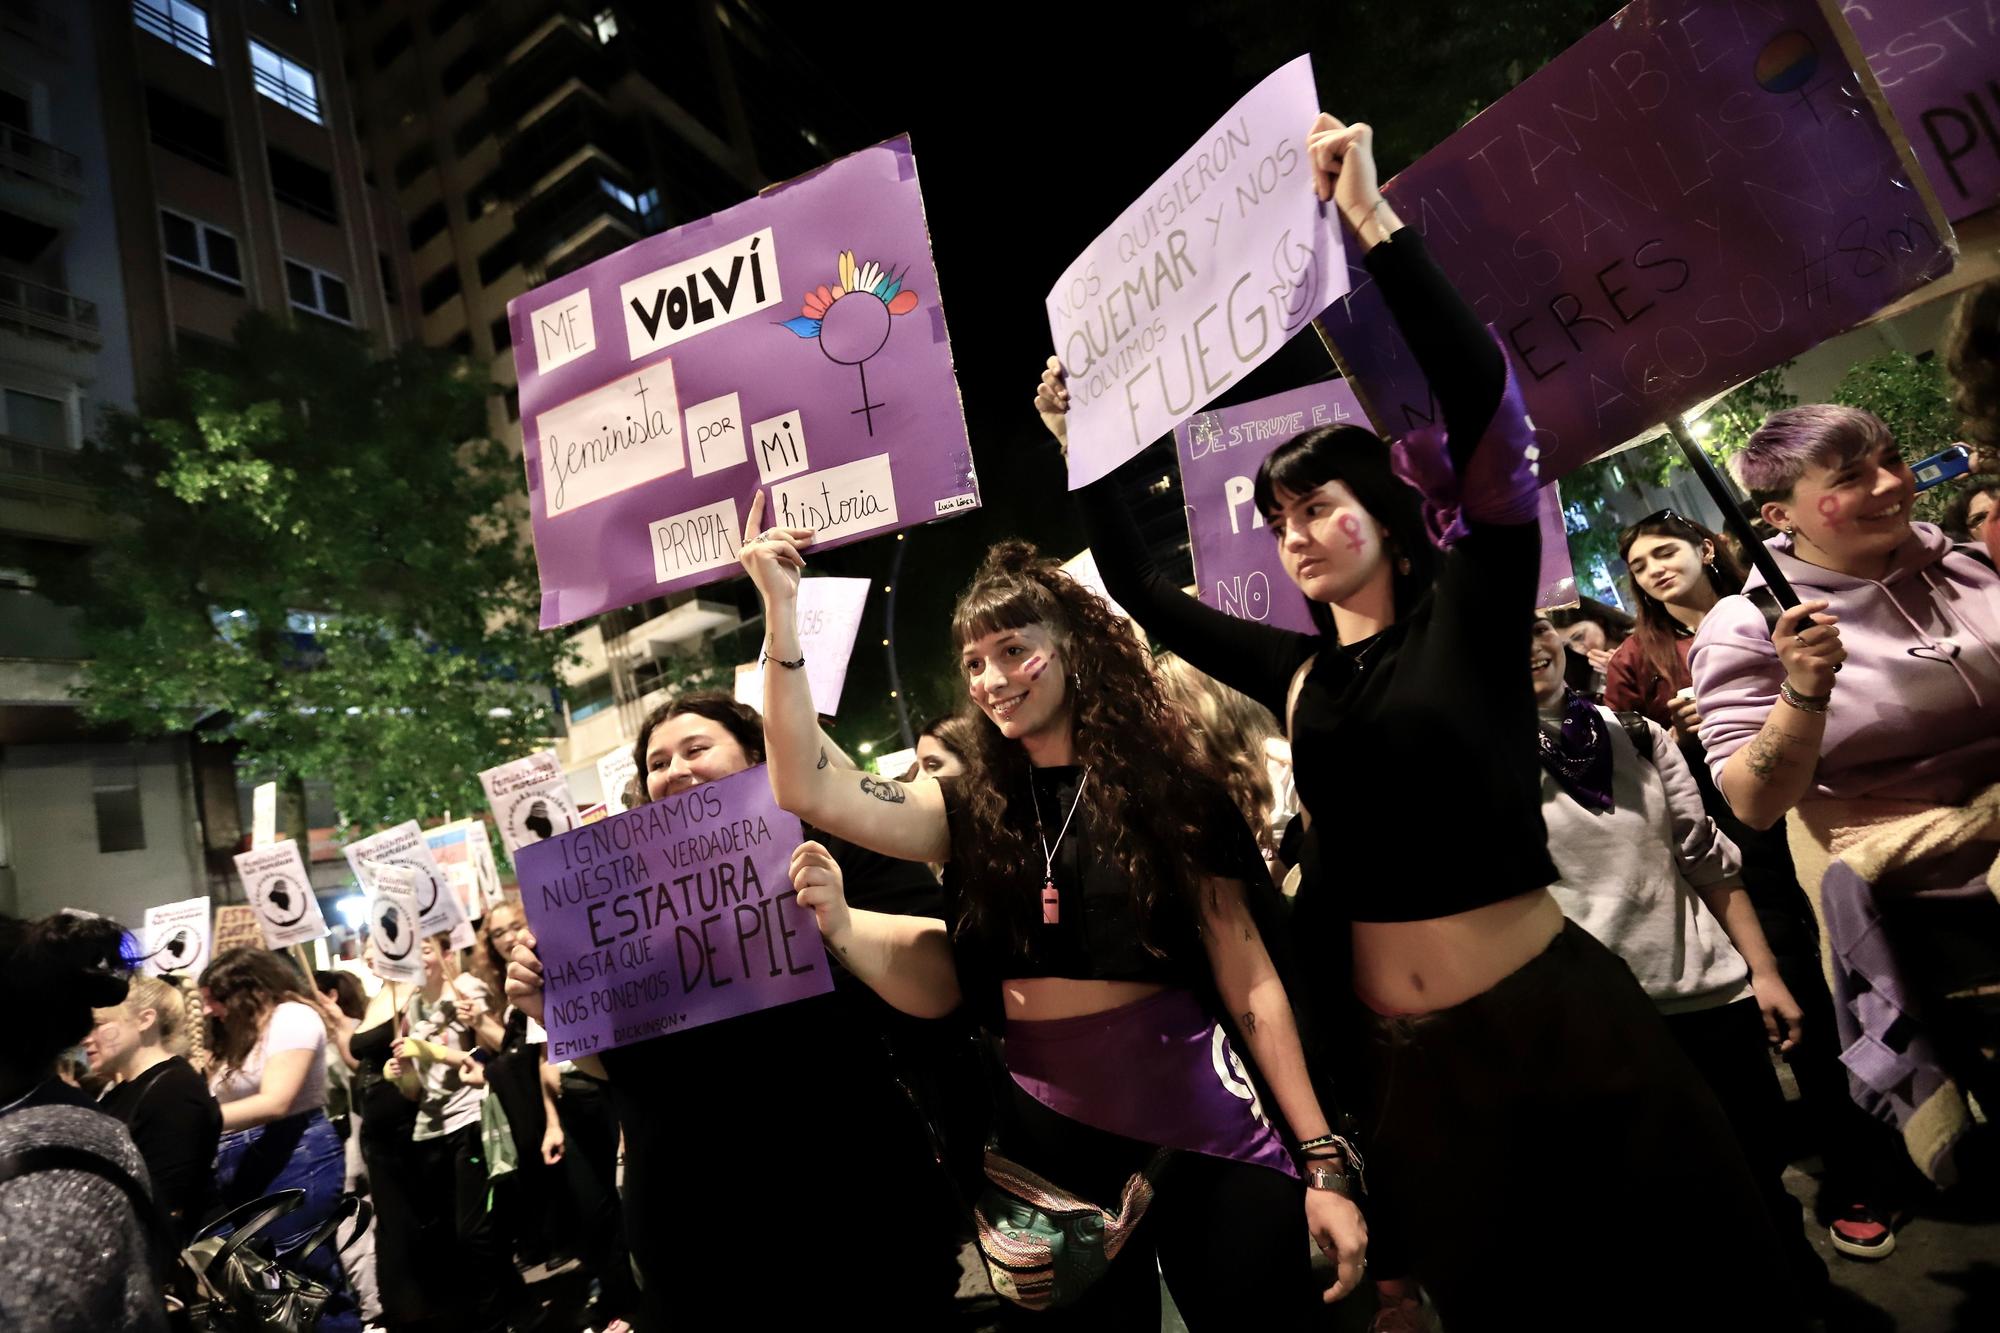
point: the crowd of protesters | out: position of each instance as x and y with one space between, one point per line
1244 942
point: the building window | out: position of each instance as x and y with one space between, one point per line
185 129
473 132
503 334
285 81
460 71
36 419
196 246
412 165
499 257
642 206
446 15
317 292
177 23
390 291
302 185
461 345
441 288
486 195
511 400
426 225
114 790
286 6
606 24
392 44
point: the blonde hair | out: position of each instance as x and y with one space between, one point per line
1230 728
169 1010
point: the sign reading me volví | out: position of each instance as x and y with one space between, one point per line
794 343
1938 63
1222 260
280 892
1689 195
176 938
675 914
531 799
393 921
828 617
438 908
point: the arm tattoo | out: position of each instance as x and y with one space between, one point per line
822 757
890 792
1249 1023
1763 756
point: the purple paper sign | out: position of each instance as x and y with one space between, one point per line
794 343
1224 258
674 914
1689 195
1236 563
1938 62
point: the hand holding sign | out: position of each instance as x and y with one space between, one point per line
772 557
524 975
1052 401
1343 161
816 876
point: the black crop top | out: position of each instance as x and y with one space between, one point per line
1414 751
1097 937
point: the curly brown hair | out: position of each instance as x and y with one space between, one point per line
1151 793
248 984
1229 728
1972 358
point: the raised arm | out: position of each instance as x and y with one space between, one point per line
906 960
882 815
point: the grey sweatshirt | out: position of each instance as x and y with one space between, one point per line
1629 875
72 1252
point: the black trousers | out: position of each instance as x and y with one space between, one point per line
1550 1131
449 1194
1229 1238
589 1171
1727 1046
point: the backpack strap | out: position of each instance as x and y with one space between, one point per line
1637 732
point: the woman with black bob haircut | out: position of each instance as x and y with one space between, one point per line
1522 1083
82 1244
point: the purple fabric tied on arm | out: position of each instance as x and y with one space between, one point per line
1158 1070
1500 485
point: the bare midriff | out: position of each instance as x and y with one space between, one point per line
1418 967
1029 998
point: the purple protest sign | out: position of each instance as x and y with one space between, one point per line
1236 563
1686 197
1220 261
794 342
1938 62
674 914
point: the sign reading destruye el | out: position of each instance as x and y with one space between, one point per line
674 914
795 342
1689 195
1200 280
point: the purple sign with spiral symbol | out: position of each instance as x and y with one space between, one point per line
1199 281
1689 195
794 344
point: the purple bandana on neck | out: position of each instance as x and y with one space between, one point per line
1158 1070
1580 758
1500 484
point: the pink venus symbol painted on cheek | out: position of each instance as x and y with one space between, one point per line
1351 525
1829 509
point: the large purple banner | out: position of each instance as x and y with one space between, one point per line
1689 195
1204 277
1938 62
795 342
674 914
1236 564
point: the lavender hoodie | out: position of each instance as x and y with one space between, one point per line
1916 707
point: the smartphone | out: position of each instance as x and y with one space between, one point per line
1943 466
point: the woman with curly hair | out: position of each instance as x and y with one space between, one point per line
1099 884
267 1066
1240 740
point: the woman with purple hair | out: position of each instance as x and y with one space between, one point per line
1889 767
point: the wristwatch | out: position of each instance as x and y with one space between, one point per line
1320 1176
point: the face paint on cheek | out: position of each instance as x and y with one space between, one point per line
1829 509
1034 667
1351 526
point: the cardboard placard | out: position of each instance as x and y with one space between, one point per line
236 927
531 799
394 920
1938 64
176 939
281 894
615 770
670 916
455 847
795 342
1216 265
437 907
829 618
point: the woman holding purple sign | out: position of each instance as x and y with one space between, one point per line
1523 1084
1101 917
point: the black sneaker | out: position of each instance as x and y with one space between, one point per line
1860 1233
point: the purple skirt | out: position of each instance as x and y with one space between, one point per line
1158 1070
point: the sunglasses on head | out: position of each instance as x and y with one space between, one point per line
1672 516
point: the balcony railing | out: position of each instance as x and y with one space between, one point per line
21 458
35 22
48 312
40 160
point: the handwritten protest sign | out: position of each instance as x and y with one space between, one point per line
280 893
1220 261
437 907
530 798
176 940
1938 62
236 927
1237 567
455 848
1687 196
393 914
615 770
829 618
1083 568
794 342
673 915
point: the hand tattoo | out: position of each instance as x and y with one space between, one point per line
822 757
889 792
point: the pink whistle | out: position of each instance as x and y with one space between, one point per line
1051 904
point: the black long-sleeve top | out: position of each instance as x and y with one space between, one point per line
176 1124
1433 719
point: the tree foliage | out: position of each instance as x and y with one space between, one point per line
315 553
1913 398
